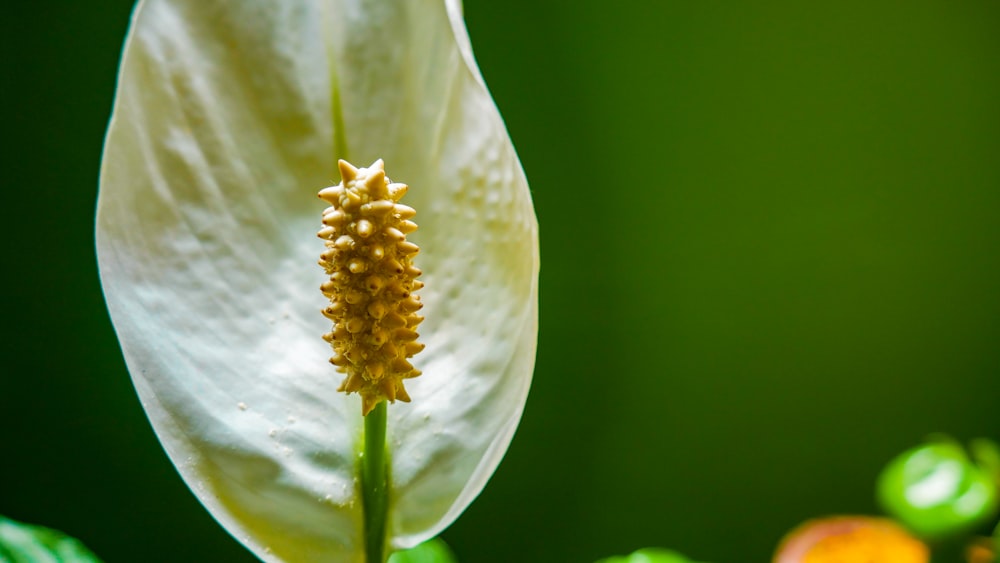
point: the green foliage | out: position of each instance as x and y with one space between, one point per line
937 491
649 555
23 543
431 551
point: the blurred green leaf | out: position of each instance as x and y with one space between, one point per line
649 555
937 491
23 543
987 455
431 551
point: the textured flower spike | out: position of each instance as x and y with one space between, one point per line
371 285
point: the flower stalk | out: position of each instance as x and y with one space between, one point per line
375 484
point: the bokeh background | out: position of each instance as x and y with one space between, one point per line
771 261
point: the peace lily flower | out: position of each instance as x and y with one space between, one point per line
230 116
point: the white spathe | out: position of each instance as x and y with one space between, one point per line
223 130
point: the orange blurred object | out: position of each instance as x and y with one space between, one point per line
851 539
981 550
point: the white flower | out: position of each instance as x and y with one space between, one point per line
230 115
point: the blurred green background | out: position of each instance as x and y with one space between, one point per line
771 261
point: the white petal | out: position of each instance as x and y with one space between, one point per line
222 133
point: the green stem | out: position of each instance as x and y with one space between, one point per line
375 484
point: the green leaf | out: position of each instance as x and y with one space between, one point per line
23 543
649 555
432 551
937 491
